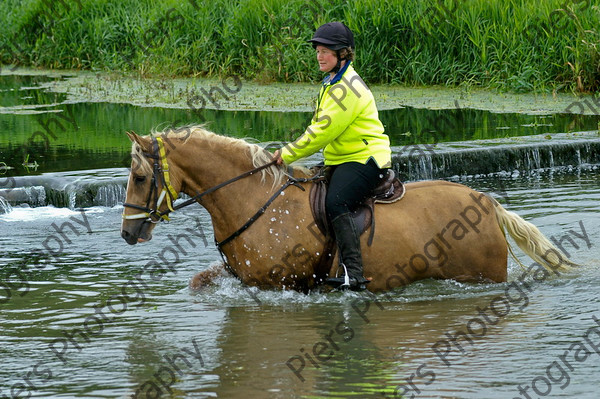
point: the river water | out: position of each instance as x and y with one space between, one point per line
79 318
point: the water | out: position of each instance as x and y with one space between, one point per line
54 134
236 342
245 337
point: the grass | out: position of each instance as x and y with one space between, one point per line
514 45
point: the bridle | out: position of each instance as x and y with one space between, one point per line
160 170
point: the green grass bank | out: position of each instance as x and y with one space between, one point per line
513 45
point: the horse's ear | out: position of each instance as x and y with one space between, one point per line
139 140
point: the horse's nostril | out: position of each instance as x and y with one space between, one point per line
129 238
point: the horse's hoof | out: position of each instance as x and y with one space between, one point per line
198 282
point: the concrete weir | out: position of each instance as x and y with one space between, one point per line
106 187
483 157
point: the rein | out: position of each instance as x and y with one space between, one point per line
161 169
291 181
220 185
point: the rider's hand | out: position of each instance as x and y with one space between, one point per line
277 157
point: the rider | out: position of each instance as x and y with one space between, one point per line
346 124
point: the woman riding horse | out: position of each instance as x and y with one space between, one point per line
439 230
356 149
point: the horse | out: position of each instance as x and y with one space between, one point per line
267 236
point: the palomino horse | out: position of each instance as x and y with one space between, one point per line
439 229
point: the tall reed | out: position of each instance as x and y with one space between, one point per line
518 45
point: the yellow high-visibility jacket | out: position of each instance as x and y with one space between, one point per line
346 124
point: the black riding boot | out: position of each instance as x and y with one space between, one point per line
347 238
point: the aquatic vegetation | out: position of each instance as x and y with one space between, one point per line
515 45
199 94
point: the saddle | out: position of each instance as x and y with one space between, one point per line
389 190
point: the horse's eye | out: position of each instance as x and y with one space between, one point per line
139 179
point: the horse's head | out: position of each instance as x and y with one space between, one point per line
150 193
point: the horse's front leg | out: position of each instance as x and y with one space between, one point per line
207 277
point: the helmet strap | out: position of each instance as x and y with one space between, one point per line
338 66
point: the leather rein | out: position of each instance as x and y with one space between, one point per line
161 171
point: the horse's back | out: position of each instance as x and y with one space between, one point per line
439 229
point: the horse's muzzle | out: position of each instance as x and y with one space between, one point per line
130 238
143 234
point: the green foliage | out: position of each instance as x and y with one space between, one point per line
517 45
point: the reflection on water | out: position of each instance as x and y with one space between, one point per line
341 345
65 332
60 136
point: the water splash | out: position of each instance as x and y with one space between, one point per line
110 195
4 206
496 156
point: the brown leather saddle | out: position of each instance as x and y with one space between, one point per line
389 190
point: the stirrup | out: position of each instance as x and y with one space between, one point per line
338 282
345 282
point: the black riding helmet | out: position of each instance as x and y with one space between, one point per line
333 35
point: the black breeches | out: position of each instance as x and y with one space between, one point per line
349 185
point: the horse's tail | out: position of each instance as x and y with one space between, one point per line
532 241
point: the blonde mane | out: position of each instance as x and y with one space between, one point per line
257 155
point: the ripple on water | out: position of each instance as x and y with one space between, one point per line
246 335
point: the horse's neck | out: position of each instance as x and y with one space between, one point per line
280 244
233 204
